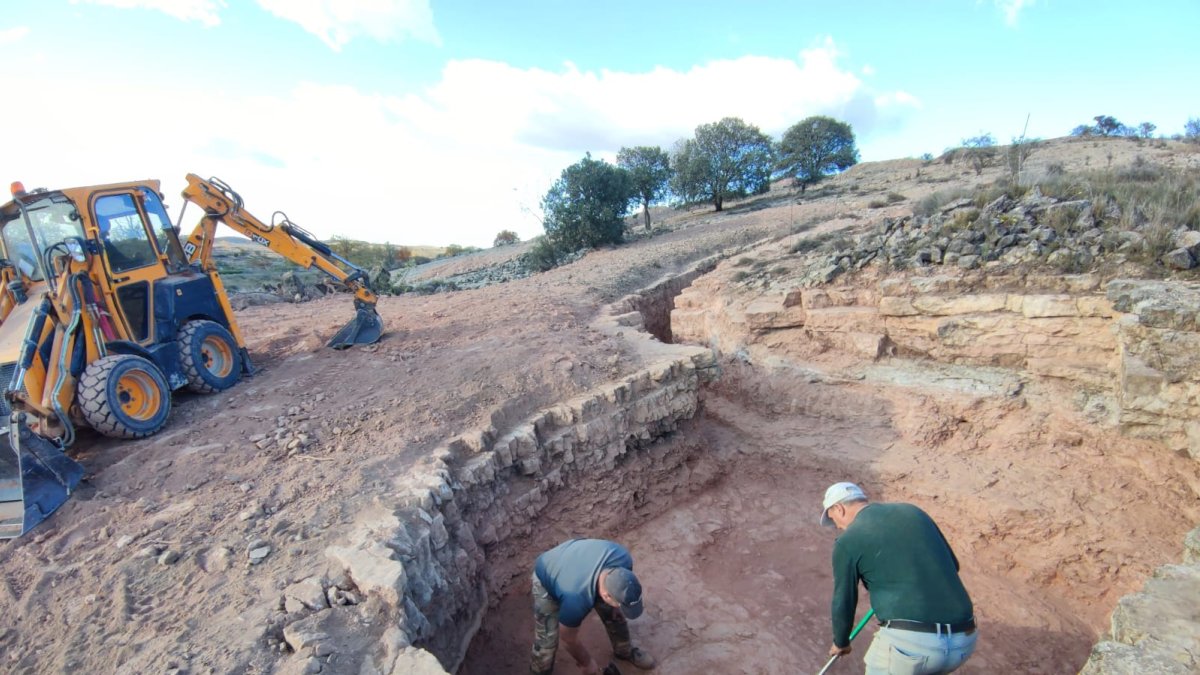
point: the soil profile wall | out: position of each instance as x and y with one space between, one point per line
1130 346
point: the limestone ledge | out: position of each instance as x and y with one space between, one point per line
423 554
1056 335
1138 340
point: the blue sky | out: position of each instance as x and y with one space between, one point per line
439 122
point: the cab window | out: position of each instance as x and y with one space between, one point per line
161 226
53 218
126 241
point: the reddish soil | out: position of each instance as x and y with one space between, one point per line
85 587
737 578
1053 518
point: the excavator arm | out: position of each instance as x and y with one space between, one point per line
221 204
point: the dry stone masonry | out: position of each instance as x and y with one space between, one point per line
456 530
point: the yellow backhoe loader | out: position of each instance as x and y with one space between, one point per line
104 312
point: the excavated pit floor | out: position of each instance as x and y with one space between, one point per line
736 571
730 576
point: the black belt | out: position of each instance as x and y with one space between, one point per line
967 626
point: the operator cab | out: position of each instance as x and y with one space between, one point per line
31 224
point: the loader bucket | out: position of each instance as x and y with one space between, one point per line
36 477
365 328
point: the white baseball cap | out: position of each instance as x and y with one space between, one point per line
836 494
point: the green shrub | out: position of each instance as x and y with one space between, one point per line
743 261
963 219
806 245
543 255
929 205
1159 239
740 276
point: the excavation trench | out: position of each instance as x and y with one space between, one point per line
723 528
714 483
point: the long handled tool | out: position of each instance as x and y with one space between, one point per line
870 613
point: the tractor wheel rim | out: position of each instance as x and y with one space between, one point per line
138 395
217 355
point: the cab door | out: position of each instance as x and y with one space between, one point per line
132 258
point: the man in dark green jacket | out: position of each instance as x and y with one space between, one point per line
927 622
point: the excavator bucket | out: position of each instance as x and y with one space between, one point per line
364 329
36 477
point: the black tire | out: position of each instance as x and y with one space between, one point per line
209 357
124 396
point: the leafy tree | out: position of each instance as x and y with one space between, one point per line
649 169
979 151
687 172
585 207
506 237
1146 129
1107 125
816 147
1191 130
725 160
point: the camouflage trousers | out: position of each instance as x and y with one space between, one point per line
545 629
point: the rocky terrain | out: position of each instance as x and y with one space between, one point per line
1019 362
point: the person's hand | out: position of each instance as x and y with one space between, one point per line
592 668
835 650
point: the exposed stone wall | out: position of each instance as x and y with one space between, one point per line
1137 342
650 309
1159 336
450 543
1158 629
1118 339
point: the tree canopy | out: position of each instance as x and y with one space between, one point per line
505 238
1191 129
649 170
1106 125
816 147
585 207
725 160
979 151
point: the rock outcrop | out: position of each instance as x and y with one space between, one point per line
1158 629
1132 343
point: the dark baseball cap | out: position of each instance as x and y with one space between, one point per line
625 589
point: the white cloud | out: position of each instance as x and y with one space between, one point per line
455 163
336 22
9 36
204 11
1012 9
575 111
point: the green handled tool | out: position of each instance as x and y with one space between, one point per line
870 613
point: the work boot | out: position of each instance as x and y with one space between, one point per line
639 658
